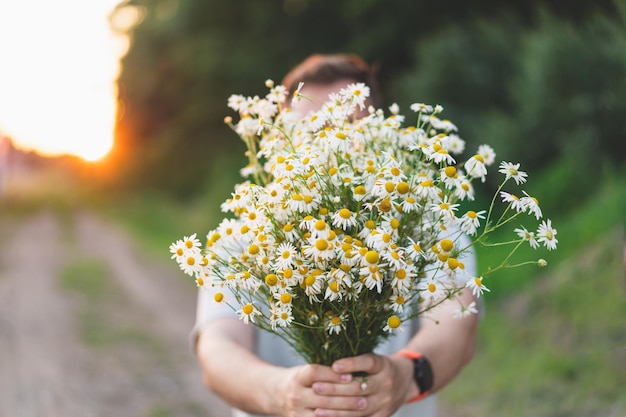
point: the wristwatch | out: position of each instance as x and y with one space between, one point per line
422 373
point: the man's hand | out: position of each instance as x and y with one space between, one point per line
388 384
316 390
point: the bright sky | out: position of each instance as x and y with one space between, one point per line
58 63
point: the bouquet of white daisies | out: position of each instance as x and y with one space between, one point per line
347 228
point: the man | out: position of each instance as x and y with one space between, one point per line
256 372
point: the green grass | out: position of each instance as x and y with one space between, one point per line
558 346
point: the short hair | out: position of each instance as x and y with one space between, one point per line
321 69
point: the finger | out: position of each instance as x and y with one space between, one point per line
310 374
341 406
368 363
360 386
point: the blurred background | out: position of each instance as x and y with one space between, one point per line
112 145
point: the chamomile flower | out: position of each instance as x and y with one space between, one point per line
516 203
313 284
296 94
285 256
336 324
281 315
527 235
475 167
444 209
248 312
344 218
393 324
456 145
421 108
470 221
546 234
477 286
178 250
531 205
511 170
431 290
355 94
397 302
464 311
191 262
487 153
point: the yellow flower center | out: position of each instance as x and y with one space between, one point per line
218 297
271 279
447 245
321 244
432 287
248 309
359 190
253 249
453 263
450 171
402 187
320 225
344 213
285 298
385 206
393 322
371 257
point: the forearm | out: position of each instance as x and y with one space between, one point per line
233 371
447 342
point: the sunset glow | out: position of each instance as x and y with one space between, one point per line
58 65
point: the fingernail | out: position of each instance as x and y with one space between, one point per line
320 413
346 377
337 367
361 403
317 388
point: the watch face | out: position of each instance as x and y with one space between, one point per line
423 374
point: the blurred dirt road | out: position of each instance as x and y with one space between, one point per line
47 368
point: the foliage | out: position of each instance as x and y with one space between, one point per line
540 93
564 353
187 56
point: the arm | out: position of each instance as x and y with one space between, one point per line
447 342
245 381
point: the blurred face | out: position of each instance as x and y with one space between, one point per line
317 94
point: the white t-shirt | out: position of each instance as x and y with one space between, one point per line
274 350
